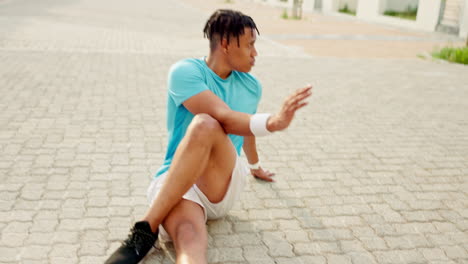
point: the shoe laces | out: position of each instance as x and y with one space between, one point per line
137 239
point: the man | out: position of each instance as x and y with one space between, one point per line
212 103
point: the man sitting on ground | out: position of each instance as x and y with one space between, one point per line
211 115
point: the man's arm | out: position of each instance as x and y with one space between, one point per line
238 123
250 150
207 102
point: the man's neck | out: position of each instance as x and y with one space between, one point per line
218 65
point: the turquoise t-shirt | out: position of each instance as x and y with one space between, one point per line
240 91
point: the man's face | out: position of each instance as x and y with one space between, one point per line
242 57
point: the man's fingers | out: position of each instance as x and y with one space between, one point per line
297 98
294 105
299 92
308 87
297 103
304 90
306 93
301 98
299 106
264 177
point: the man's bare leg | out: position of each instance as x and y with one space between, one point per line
186 226
205 156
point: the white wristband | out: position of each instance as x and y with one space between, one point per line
255 166
258 124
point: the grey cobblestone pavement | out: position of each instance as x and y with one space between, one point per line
374 170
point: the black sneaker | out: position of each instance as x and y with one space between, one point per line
140 240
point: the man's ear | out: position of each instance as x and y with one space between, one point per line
224 45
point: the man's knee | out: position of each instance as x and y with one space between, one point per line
187 233
203 126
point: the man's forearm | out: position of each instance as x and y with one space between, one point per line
236 123
250 149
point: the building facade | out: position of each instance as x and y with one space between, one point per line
431 15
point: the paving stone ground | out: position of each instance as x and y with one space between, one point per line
373 171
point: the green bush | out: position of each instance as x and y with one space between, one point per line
458 55
284 15
346 10
410 13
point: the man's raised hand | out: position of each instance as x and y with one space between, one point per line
291 104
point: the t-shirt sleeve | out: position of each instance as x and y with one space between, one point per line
185 80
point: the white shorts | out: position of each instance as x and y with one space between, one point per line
211 210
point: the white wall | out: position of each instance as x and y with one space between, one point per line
308 5
463 33
329 6
428 14
286 4
368 9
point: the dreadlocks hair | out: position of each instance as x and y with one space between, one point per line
226 23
